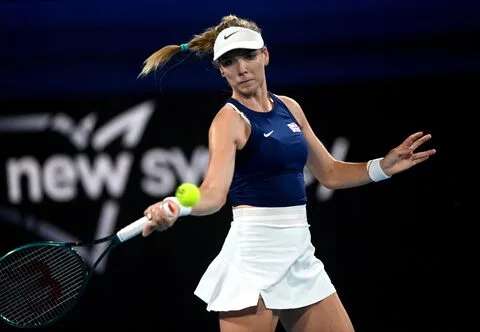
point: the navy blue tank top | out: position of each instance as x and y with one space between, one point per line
269 169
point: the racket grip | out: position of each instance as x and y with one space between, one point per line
136 227
131 230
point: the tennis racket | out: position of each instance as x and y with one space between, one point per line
40 282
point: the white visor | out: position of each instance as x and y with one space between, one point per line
234 38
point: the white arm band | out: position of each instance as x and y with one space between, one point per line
184 211
375 171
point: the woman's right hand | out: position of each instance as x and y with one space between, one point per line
162 216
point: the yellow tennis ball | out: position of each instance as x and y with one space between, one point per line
188 194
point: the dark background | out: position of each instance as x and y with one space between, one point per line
369 72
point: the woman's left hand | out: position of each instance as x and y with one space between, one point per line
404 156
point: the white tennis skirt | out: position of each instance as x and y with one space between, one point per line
268 253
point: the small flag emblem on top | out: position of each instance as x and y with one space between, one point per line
294 127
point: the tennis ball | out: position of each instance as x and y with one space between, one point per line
188 194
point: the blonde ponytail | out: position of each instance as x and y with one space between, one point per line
200 44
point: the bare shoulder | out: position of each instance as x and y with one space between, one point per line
288 101
228 124
226 117
294 107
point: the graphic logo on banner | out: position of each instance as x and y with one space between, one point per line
62 177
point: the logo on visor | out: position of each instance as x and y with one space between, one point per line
228 36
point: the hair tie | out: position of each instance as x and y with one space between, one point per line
184 47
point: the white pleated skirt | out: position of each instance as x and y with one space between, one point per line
268 253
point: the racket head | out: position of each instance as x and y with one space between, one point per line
40 283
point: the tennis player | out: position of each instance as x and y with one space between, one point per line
259 144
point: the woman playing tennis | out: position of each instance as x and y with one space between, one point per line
259 144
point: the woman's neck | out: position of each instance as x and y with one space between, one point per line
258 102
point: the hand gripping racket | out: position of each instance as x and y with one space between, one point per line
40 282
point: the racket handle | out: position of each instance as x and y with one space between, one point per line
136 227
131 230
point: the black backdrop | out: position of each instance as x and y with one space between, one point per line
386 246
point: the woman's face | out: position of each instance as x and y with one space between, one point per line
244 69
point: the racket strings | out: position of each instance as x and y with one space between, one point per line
31 281
40 298
38 283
